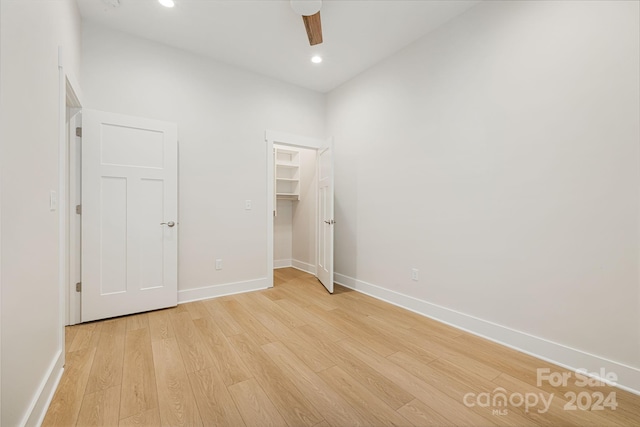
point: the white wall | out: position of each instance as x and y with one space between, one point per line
31 32
283 233
222 113
305 212
499 156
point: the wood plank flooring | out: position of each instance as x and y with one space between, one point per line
294 355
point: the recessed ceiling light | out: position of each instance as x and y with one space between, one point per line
167 3
316 59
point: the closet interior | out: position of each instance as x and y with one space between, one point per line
294 227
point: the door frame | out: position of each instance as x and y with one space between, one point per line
295 141
70 100
74 306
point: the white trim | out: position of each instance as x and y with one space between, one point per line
68 90
207 292
63 232
69 96
285 138
270 208
73 299
73 81
282 263
559 354
44 394
294 263
276 137
303 266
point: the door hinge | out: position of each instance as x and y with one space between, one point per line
79 287
79 132
79 209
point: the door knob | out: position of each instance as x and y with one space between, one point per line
170 223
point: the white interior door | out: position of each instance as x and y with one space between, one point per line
129 215
325 217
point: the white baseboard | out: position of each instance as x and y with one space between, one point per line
559 354
281 263
43 396
206 292
303 266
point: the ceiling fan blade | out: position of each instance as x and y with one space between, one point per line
314 28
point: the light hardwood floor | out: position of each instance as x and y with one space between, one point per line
296 356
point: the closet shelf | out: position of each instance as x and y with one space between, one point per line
287 165
287 173
288 196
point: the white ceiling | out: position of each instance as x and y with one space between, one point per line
267 37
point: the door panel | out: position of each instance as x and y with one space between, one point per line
151 250
325 217
113 236
129 187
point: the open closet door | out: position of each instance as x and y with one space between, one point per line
129 215
325 216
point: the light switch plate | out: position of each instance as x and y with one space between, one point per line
53 201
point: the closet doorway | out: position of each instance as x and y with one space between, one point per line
300 191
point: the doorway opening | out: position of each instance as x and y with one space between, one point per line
294 227
69 185
300 205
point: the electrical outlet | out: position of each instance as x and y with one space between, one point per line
247 205
218 264
414 274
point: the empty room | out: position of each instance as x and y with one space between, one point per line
319 213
